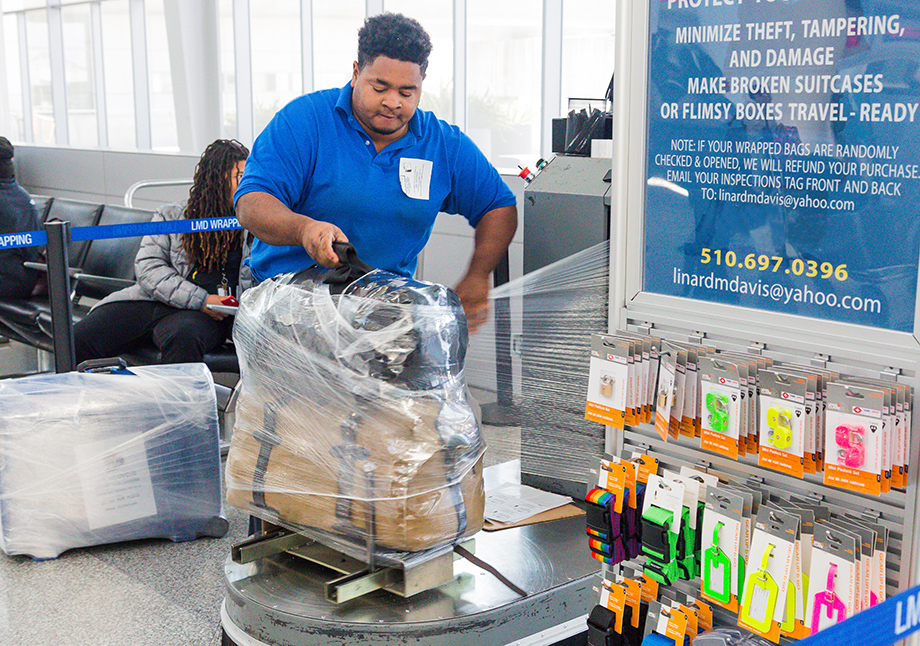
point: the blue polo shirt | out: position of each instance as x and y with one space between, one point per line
316 158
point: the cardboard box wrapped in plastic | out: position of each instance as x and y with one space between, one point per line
94 458
353 417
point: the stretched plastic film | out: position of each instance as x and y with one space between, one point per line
528 368
88 459
353 416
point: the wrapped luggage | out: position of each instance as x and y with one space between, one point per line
353 417
94 458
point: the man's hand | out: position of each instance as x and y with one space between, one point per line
473 290
317 238
493 235
213 299
273 223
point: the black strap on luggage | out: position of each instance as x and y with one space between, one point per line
351 270
268 439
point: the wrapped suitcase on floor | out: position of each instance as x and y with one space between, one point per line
353 415
92 458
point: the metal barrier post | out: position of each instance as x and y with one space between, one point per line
65 359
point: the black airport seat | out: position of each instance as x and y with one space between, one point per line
109 262
107 266
43 205
97 268
79 214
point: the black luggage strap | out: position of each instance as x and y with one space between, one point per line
351 270
268 438
475 560
347 454
602 628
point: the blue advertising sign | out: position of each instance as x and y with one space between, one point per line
783 161
883 625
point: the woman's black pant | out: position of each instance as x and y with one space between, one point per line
182 336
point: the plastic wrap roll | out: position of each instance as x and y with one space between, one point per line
353 415
88 459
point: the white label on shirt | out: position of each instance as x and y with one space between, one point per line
415 177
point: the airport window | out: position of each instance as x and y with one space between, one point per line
163 133
276 57
229 127
267 53
39 62
437 18
504 77
119 75
335 40
20 5
79 76
587 49
13 103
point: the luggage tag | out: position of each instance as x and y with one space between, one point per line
760 596
788 625
828 601
718 569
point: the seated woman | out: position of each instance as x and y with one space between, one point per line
17 215
179 275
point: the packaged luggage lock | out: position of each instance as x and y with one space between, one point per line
779 421
717 405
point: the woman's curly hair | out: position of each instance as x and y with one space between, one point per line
210 197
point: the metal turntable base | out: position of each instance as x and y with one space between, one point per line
277 601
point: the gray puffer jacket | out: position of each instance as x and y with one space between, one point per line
161 268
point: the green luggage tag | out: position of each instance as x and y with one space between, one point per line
788 624
717 568
760 596
740 579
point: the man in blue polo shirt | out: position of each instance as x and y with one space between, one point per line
364 165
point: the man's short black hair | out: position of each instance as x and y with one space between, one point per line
395 36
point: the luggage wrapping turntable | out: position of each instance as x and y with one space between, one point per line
353 415
92 458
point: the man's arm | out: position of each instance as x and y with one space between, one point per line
493 235
272 222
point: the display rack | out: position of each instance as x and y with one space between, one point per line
887 349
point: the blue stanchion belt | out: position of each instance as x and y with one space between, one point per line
882 625
134 230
